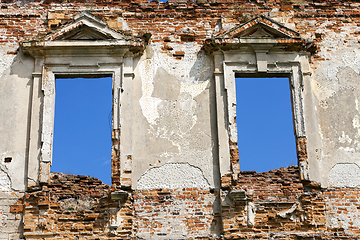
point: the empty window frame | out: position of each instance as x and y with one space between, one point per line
266 137
82 127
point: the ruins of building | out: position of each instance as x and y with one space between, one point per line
175 171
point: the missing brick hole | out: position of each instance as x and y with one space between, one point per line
7 159
54 26
319 35
179 54
186 38
167 47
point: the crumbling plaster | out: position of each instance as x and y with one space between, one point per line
335 84
176 115
191 83
182 176
175 126
15 85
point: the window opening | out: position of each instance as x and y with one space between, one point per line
82 127
264 119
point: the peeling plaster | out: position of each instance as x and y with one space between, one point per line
251 214
194 67
193 72
335 50
335 40
194 89
173 176
339 123
5 183
341 220
171 89
347 149
344 138
290 213
149 104
321 91
356 124
7 60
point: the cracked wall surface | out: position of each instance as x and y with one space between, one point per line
174 121
175 156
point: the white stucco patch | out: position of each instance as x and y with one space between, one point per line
173 176
344 138
7 60
149 104
194 89
194 67
347 149
321 92
340 219
5 183
356 124
352 59
251 214
345 175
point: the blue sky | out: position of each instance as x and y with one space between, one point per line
82 131
265 127
82 134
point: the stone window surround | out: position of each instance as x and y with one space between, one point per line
258 60
85 47
72 61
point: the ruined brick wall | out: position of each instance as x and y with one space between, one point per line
187 213
80 206
285 209
74 206
278 204
342 210
170 20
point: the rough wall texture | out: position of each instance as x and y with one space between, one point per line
10 223
276 206
74 206
169 179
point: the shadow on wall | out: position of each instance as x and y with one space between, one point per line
22 66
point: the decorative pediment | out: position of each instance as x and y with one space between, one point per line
260 27
85 26
85 30
260 34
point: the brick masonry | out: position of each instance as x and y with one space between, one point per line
285 209
158 210
20 23
278 203
80 206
